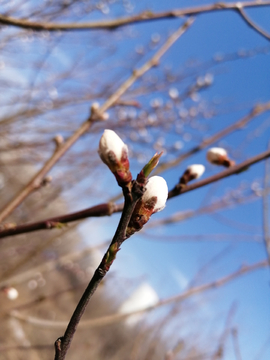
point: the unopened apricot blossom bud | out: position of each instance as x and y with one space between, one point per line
192 172
157 191
114 153
153 200
219 156
11 293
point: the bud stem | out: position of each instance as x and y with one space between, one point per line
132 193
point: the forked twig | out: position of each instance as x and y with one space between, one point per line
256 111
115 23
252 23
110 208
132 192
94 116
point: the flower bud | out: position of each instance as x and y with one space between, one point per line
156 187
11 293
152 201
219 156
58 139
114 153
95 106
192 172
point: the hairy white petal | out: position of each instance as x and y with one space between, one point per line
158 187
215 153
196 170
110 141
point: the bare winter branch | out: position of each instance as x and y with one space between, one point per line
94 116
105 320
251 23
110 208
143 17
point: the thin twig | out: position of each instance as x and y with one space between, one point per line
110 319
256 111
30 347
219 353
94 116
236 346
50 265
107 209
212 208
266 234
234 170
32 254
132 194
113 24
251 23
36 181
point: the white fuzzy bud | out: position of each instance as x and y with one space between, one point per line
95 106
216 155
58 139
114 153
11 293
196 170
153 200
156 187
110 141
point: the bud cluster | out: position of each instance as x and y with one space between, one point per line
114 153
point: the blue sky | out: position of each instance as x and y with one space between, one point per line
169 264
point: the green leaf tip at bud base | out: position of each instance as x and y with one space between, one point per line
114 153
148 168
111 255
153 200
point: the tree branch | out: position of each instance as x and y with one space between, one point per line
94 116
132 193
106 209
251 23
234 170
212 208
113 24
110 208
110 319
266 234
256 111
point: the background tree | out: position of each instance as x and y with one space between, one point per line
164 78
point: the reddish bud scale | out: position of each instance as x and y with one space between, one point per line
223 161
228 163
114 153
186 177
122 174
141 215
